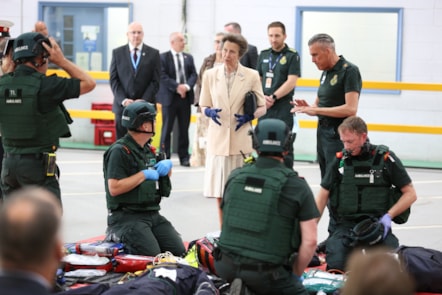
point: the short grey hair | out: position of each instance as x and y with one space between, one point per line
323 39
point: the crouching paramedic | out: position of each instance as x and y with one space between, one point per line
136 179
32 114
269 231
368 187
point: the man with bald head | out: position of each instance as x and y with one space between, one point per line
40 27
178 77
30 242
134 73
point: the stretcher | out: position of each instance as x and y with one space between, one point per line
124 267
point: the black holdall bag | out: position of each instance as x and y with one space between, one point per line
250 103
424 265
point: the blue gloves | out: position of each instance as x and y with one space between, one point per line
151 174
242 119
298 279
163 167
213 113
386 221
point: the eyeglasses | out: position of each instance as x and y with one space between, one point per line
136 32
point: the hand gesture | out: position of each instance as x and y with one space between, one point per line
213 114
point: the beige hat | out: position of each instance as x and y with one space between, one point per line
4 28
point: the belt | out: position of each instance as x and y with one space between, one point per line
326 122
131 210
37 156
259 267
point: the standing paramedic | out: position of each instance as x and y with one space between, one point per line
366 187
136 179
32 114
269 231
279 69
338 97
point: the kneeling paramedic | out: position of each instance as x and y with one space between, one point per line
136 179
368 187
32 115
269 231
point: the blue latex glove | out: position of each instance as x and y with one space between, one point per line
213 113
386 221
242 119
163 167
296 278
150 174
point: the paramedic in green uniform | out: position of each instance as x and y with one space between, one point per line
136 179
359 185
338 96
269 231
32 114
279 69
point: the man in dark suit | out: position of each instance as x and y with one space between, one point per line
178 77
30 242
134 73
250 58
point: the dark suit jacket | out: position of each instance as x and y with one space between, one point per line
128 83
18 285
168 84
250 58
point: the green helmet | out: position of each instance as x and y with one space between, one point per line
137 113
28 45
271 135
369 231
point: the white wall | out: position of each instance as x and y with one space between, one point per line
421 58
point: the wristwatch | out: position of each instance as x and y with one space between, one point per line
274 96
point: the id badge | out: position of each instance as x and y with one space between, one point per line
269 77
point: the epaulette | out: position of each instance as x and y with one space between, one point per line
153 149
292 50
383 150
126 149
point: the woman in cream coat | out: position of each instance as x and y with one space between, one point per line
223 91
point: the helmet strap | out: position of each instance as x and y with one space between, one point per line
37 65
147 132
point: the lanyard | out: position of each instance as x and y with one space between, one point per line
272 66
135 64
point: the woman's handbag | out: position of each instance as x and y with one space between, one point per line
250 103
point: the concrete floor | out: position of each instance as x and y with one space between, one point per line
193 215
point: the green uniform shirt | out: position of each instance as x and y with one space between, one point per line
344 77
54 90
119 163
124 159
396 172
283 64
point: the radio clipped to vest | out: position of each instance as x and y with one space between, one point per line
50 166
